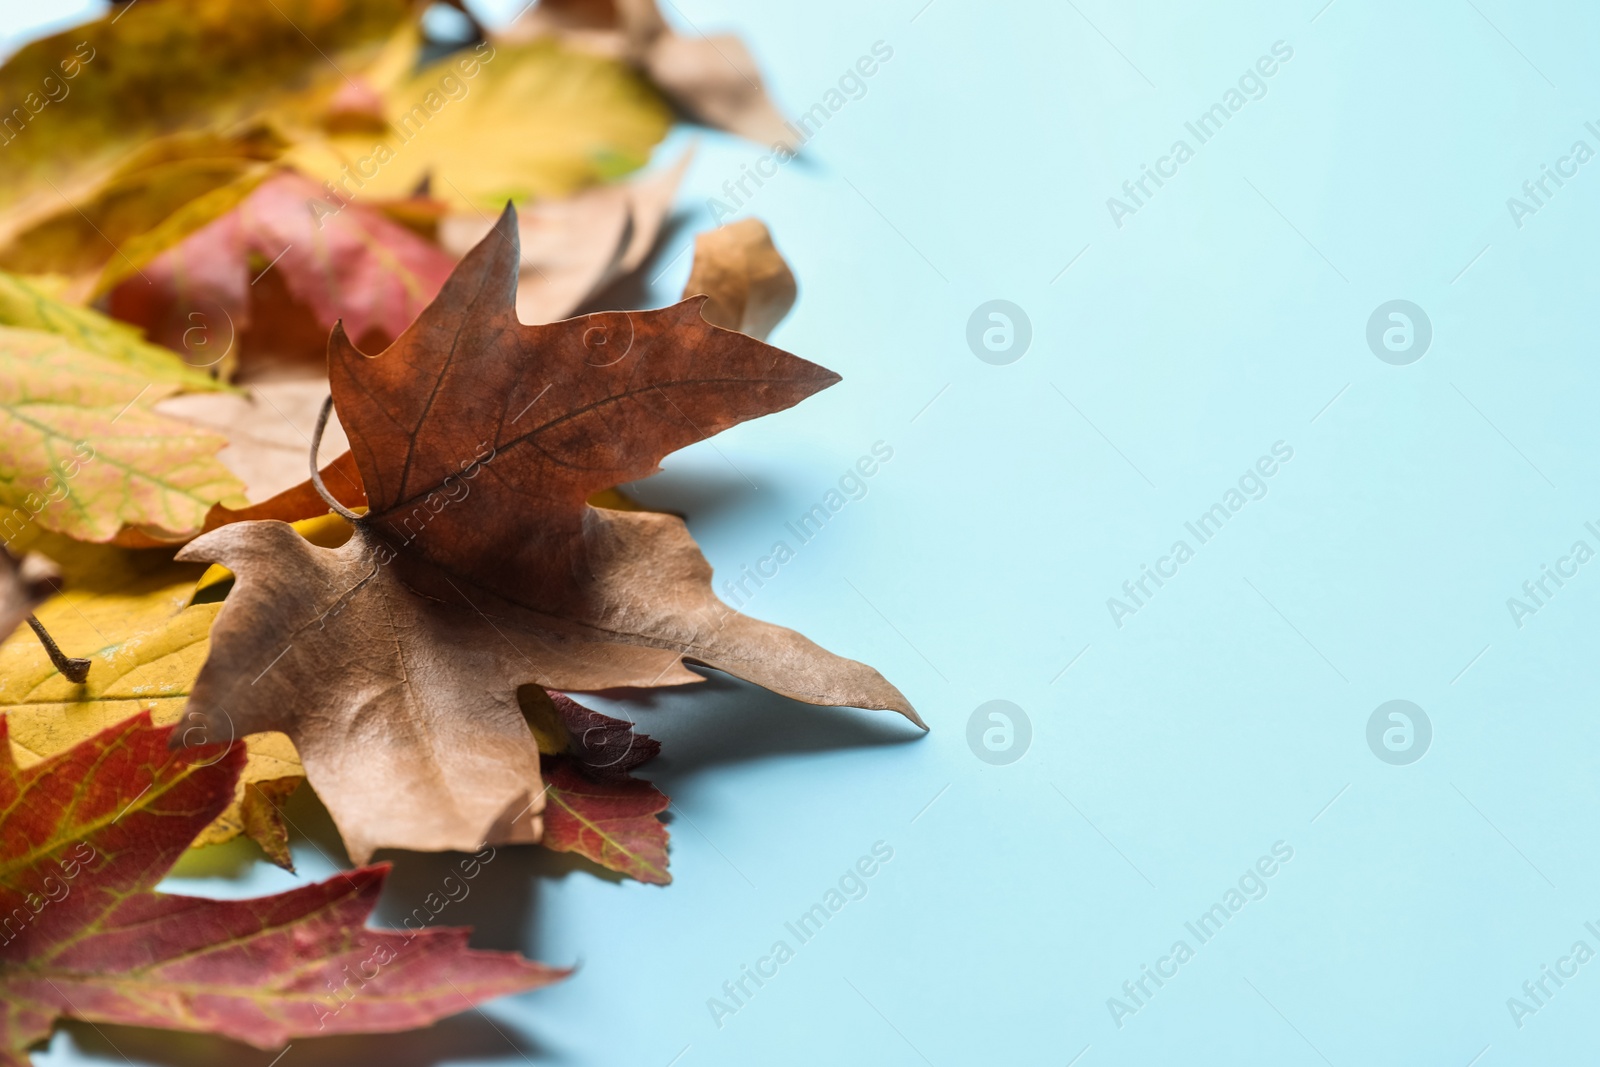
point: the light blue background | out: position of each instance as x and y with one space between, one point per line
1230 712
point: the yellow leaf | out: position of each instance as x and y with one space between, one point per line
83 101
128 611
544 720
173 185
498 123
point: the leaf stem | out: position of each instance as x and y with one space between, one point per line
74 669
316 476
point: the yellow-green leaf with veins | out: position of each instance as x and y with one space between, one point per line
128 611
26 304
81 455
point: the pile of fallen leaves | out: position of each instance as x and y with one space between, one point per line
237 237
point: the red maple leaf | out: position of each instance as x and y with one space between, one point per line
87 834
282 267
611 821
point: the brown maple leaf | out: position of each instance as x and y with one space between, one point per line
393 661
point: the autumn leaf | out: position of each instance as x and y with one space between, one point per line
356 264
98 115
27 305
611 821
513 121
129 613
393 661
153 197
351 263
81 455
594 808
712 79
573 248
598 745
88 834
268 427
749 286
80 450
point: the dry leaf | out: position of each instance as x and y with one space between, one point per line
27 305
393 661
750 289
749 286
593 807
713 80
84 457
85 837
268 428
352 264
573 248
598 745
105 109
610 821
153 198
83 450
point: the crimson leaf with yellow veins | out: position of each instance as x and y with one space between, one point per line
85 837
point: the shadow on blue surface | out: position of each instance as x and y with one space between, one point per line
459 1039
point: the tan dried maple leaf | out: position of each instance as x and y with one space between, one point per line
393 661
